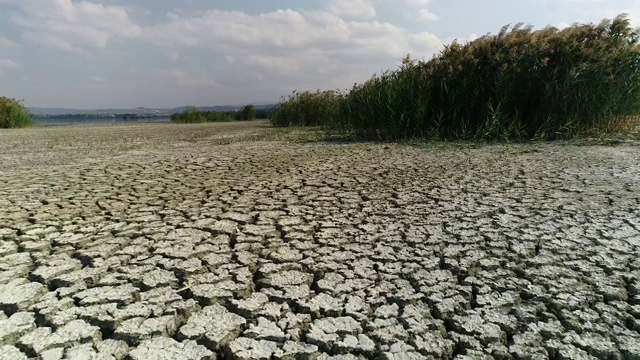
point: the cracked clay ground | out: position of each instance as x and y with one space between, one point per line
238 241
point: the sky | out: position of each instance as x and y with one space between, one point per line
164 53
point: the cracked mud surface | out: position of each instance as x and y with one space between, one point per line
218 241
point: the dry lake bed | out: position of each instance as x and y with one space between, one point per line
239 241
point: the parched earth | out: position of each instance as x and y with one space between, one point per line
243 242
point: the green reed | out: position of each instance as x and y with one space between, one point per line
518 84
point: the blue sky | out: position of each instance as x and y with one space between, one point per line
162 53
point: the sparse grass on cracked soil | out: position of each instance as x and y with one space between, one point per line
189 241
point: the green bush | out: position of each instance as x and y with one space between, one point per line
392 104
13 114
247 113
308 109
264 113
518 84
193 115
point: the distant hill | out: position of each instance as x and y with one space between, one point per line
39 111
65 111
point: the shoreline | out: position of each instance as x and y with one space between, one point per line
74 122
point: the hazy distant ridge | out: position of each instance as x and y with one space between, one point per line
137 111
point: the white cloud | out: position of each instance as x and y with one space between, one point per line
70 25
425 43
187 79
567 12
7 43
228 52
213 29
352 8
416 2
427 15
273 36
417 9
7 64
280 63
286 48
96 83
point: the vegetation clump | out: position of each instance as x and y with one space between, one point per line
308 108
518 84
193 115
13 114
247 113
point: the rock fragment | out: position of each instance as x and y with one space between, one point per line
9 352
163 348
19 294
265 330
213 325
15 326
135 330
123 295
249 349
76 332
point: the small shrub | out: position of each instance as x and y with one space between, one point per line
13 114
247 113
218 116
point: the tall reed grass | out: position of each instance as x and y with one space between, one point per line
13 113
308 108
193 115
518 84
